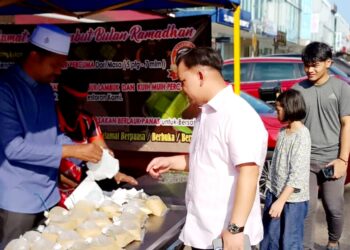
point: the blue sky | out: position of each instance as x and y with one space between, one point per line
343 8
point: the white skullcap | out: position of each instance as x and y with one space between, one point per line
51 38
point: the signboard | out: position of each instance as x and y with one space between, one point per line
225 17
281 38
133 88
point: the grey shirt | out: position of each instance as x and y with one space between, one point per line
325 105
290 164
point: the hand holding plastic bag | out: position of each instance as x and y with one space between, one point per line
107 167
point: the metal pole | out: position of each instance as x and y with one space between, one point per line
237 50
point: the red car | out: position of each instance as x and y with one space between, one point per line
268 116
263 77
266 75
273 125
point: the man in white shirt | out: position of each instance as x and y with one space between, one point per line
227 151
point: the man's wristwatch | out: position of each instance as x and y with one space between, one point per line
234 229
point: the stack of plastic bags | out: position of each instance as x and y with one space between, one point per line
118 220
94 220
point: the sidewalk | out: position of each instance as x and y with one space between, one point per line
321 228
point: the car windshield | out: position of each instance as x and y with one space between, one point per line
260 106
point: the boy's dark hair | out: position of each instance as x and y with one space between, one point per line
316 52
293 104
204 56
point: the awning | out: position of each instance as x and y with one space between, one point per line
83 8
105 16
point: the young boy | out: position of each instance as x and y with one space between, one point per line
328 119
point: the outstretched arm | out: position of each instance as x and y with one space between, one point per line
161 165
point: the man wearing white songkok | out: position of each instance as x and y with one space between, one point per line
31 146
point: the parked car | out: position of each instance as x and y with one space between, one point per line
340 68
264 77
342 64
268 116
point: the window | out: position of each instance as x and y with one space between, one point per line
301 68
274 71
227 72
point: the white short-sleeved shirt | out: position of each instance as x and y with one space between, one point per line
228 132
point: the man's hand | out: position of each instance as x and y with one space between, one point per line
276 209
232 241
120 177
158 166
340 168
161 165
85 152
89 152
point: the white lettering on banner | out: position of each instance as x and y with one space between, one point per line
6 65
177 122
105 97
132 121
144 121
155 64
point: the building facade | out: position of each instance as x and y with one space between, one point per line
281 26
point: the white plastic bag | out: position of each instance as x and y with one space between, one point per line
18 244
107 167
87 190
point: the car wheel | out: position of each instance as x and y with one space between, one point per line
263 179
